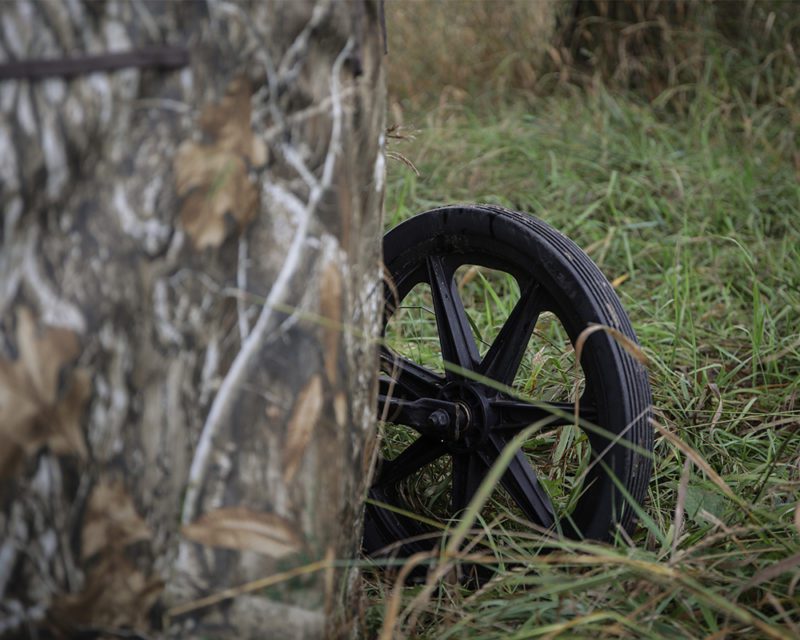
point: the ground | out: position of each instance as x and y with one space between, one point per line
695 218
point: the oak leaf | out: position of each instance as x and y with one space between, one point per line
116 593
246 530
212 176
111 520
42 395
300 428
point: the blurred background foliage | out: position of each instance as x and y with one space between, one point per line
735 54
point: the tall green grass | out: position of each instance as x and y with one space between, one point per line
696 218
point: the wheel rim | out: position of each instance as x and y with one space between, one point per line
461 415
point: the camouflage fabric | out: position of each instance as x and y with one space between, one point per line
190 282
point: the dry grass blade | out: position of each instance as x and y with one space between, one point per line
392 610
773 571
680 506
248 587
555 630
629 345
782 353
718 413
619 280
695 457
395 155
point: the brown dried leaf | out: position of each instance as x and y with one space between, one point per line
41 397
245 530
229 123
43 353
116 595
219 194
304 417
330 305
212 176
111 520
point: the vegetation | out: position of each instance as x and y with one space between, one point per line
688 198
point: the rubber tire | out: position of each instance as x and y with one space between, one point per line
519 243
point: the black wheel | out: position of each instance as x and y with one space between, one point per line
462 417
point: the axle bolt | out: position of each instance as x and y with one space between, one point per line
439 419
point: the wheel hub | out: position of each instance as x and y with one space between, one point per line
472 402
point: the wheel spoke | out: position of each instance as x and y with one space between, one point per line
515 415
468 472
421 452
502 360
411 380
455 335
399 411
439 419
521 483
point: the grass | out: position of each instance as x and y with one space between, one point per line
696 219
